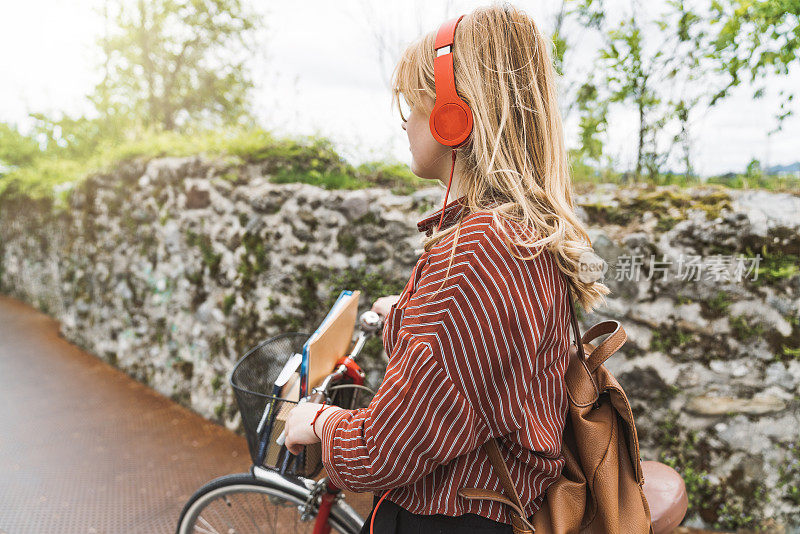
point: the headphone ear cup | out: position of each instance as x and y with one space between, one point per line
451 123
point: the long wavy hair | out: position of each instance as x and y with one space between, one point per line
515 160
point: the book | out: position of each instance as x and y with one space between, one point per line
329 342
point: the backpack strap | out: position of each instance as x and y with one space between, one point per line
582 387
574 319
608 346
519 522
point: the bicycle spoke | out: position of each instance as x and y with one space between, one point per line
253 510
231 528
274 514
204 531
246 507
252 520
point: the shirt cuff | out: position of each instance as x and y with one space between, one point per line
328 428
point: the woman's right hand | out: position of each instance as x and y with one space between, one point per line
384 304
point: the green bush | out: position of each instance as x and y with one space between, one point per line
306 159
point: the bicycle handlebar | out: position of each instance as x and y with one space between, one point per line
370 322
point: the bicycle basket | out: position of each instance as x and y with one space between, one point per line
252 380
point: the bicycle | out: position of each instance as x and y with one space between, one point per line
271 498
282 499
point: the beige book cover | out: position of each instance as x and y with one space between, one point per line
332 340
328 345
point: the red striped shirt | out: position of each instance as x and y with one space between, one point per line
483 358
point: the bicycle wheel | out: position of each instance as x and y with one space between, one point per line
242 503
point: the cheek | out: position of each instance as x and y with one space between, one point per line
422 141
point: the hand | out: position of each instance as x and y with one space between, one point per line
384 304
298 429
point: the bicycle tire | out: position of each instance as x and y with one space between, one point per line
288 495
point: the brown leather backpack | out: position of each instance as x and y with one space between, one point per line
600 487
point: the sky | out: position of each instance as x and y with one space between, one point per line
320 71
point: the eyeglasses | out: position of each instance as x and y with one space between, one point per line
404 106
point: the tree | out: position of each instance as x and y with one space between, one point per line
172 64
683 72
656 75
593 120
74 137
752 174
755 37
631 75
584 12
16 149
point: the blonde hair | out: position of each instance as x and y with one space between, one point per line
516 156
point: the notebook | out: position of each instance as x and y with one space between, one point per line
330 342
326 346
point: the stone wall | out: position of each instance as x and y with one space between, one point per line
172 268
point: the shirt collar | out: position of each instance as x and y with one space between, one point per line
451 213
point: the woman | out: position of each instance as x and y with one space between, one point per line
478 339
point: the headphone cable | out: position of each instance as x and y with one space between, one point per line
375 511
449 182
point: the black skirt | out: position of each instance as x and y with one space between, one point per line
392 519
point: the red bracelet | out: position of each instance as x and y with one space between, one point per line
321 409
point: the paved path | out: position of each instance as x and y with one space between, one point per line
86 449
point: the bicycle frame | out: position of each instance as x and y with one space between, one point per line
327 492
345 370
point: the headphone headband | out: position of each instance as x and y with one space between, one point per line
451 117
447 33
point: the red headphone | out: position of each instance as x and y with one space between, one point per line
451 117
450 122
